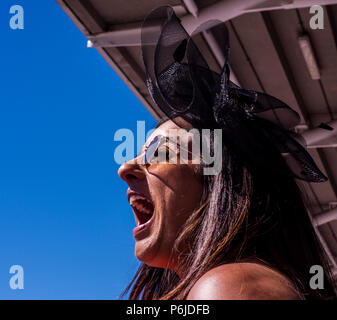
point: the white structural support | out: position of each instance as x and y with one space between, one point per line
325 217
213 44
130 34
321 138
325 246
124 35
192 7
327 250
324 206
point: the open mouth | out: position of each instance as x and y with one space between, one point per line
143 209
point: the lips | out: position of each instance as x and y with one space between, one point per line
143 209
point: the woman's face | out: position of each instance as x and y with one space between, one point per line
162 195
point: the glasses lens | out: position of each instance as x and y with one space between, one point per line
152 148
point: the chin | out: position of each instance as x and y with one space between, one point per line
151 255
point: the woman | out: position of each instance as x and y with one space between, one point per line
242 232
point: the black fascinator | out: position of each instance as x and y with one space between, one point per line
182 85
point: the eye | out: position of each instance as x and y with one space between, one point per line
163 153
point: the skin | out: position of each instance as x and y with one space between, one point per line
243 281
176 190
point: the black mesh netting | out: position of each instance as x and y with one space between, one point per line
182 84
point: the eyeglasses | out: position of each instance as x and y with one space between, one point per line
164 149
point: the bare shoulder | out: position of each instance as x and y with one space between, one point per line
243 281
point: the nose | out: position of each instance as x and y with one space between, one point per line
131 172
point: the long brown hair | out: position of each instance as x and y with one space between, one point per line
246 215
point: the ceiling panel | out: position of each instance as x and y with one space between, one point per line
120 11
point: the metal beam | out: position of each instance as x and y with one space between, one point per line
327 250
192 7
123 35
325 246
323 207
321 138
213 44
130 34
211 40
129 29
325 217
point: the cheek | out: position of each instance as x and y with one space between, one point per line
187 188
176 190
179 189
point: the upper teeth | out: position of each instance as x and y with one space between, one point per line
135 203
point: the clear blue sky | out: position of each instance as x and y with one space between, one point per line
64 216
